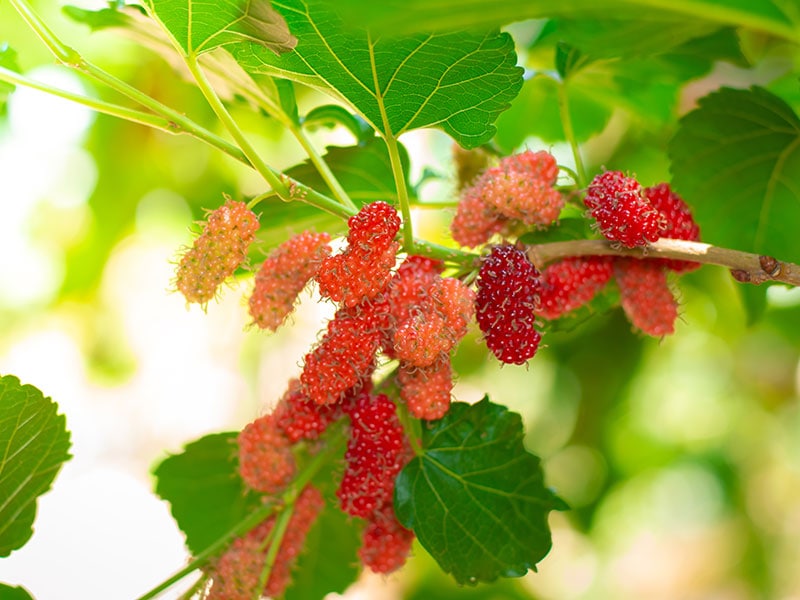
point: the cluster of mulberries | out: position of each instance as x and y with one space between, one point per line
431 315
512 293
632 215
410 313
645 295
519 190
627 213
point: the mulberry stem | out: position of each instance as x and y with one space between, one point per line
746 266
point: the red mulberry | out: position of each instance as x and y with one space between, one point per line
622 212
508 295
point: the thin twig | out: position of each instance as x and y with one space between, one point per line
746 267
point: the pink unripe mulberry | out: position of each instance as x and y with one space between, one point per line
407 291
645 295
386 543
283 275
454 301
266 462
299 418
217 252
421 339
345 356
475 221
571 283
521 188
439 323
357 275
427 390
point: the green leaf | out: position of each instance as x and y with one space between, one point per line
536 112
569 228
405 16
8 58
364 171
34 443
330 115
604 302
646 88
721 45
569 59
626 37
206 494
287 99
14 593
198 27
736 161
230 81
456 81
754 301
328 562
475 498
97 19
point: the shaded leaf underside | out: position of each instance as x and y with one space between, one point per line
736 160
202 25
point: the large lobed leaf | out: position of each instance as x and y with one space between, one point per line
736 161
456 81
199 26
206 494
475 498
34 443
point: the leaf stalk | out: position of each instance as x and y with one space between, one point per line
569 133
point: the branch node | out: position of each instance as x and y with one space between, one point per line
770 265
741 275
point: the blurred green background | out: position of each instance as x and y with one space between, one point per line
680 457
